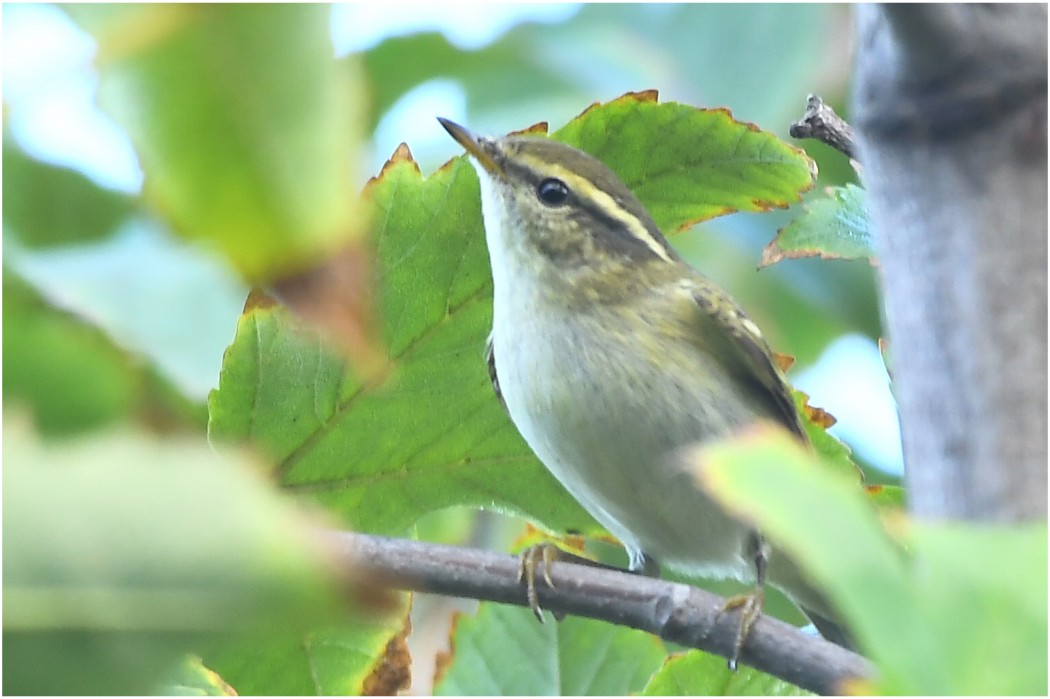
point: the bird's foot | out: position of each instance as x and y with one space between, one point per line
750 606
540 558
530 559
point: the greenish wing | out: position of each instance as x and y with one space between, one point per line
748 354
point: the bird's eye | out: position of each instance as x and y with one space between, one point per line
552 192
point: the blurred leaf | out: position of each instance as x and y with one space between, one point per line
331 659
686 164
144 290
192 678
73 378
696 673
793 497
428 435
886 497
503 651
981 590
66 372
45 205
962 599
833 227
504 72
245 124
121 552
714 54
710 54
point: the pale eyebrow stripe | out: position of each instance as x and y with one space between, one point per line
588 192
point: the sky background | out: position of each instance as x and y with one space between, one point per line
49 89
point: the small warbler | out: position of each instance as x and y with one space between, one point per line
611 354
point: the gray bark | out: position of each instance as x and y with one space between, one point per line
678 613
949 105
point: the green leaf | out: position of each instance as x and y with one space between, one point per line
934 613
834 227
981 590
71 377
122 552
45 205
192 678
67 373
245 124
330 660
504 72
886 497
686 164
543 70
503 650
816 422
701 674
430 433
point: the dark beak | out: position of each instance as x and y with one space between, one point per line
477 147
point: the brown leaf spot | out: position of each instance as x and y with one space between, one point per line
401 154
724 111
819 416
336 298
771 254
651 95
258 299
644 96
444 659
393 672
715 213
768 205
784 361
539 128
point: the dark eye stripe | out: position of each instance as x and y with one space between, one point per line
584 209
623 239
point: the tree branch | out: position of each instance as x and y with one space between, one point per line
822 123
673 611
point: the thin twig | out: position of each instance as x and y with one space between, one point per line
673 611
822 123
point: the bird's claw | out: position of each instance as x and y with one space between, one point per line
750 606
531 558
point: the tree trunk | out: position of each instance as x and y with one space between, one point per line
950 108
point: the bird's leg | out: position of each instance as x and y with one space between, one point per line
546 554
528 562
750 604
643 564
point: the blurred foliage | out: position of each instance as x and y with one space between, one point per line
934 605
71 376
122 550
248 131
52 206
242 146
